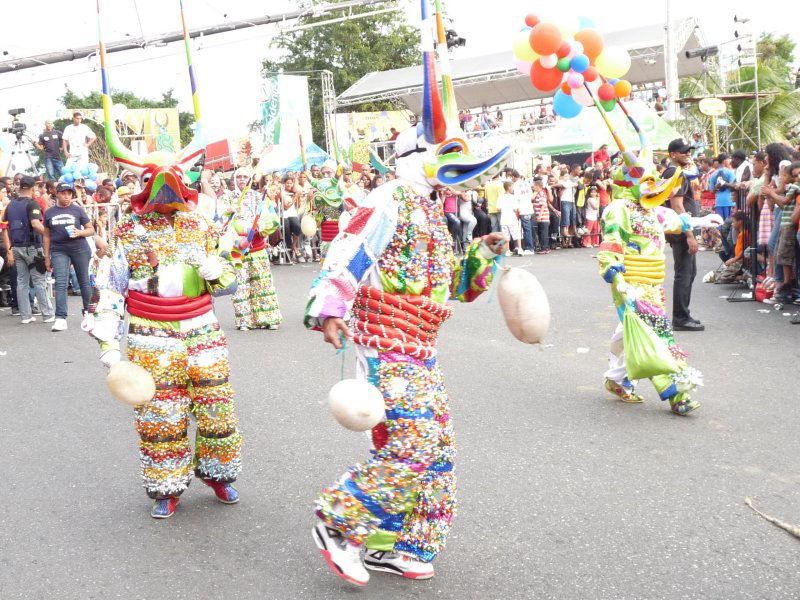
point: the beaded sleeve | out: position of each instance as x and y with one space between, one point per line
473 274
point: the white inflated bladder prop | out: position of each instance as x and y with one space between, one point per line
356 404
308 226
130 383
524 305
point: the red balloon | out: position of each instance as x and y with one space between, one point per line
546 80
545 39
566 89
563 50
532 20
590 74
606 92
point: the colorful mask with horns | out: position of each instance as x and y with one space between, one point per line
160 173
438 141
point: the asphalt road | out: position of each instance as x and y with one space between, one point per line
564 491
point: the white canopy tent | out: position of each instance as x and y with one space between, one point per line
493 79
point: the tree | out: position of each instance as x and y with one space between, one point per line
779 112
350 50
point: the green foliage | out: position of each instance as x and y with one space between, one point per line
95 100
779 112
350 50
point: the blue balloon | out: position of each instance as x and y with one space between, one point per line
85 171
93 168
579 63
62 179
90 185
68 178
565 106
585 23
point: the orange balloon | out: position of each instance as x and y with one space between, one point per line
543 79
545 39
622 89
590 74
532 20
565 88
592 42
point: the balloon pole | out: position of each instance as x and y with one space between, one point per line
602 112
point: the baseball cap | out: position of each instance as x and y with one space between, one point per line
740 154
63 187
26 182
679 145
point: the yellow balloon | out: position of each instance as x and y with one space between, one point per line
522 47
613 63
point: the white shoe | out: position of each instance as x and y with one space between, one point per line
527 252
49 319
28 320
397 564
342 557
59 325
508 253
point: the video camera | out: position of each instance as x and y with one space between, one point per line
17 127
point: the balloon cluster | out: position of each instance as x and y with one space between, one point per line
74 170
574 61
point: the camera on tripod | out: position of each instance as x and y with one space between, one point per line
17 127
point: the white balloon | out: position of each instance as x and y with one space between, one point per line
356 404
524 304
344 220
549 61
308 226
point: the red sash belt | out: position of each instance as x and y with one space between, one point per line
328 230
176 308
397 323
258 242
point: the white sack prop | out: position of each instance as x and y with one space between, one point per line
344 220
308 226
130 383
356 404
524 304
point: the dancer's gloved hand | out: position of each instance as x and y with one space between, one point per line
712 220
332 327
109 358
211 269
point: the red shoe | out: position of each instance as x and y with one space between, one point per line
164 507
225 492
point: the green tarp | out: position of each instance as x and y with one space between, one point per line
588 131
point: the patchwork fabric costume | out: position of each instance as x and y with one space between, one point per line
390 275
161 268
255 301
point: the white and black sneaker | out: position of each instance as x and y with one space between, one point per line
397 564
342 557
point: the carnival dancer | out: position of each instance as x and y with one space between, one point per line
328 207
160 268
250 221
631 259
385 285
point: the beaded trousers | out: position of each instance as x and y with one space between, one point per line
402 498
255 302
189 362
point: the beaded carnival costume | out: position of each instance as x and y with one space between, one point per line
390 274
255 302
160 268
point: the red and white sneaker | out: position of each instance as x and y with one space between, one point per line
342 557
398 564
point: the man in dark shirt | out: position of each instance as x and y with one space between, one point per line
684 245
50 144
66 227
22 237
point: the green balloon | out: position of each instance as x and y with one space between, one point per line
563 64
609 106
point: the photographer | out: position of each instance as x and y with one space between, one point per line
22 238
50 143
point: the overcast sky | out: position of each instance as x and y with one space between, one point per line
228 64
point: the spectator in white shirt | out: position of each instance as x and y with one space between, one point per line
509 217
77 139
524 196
